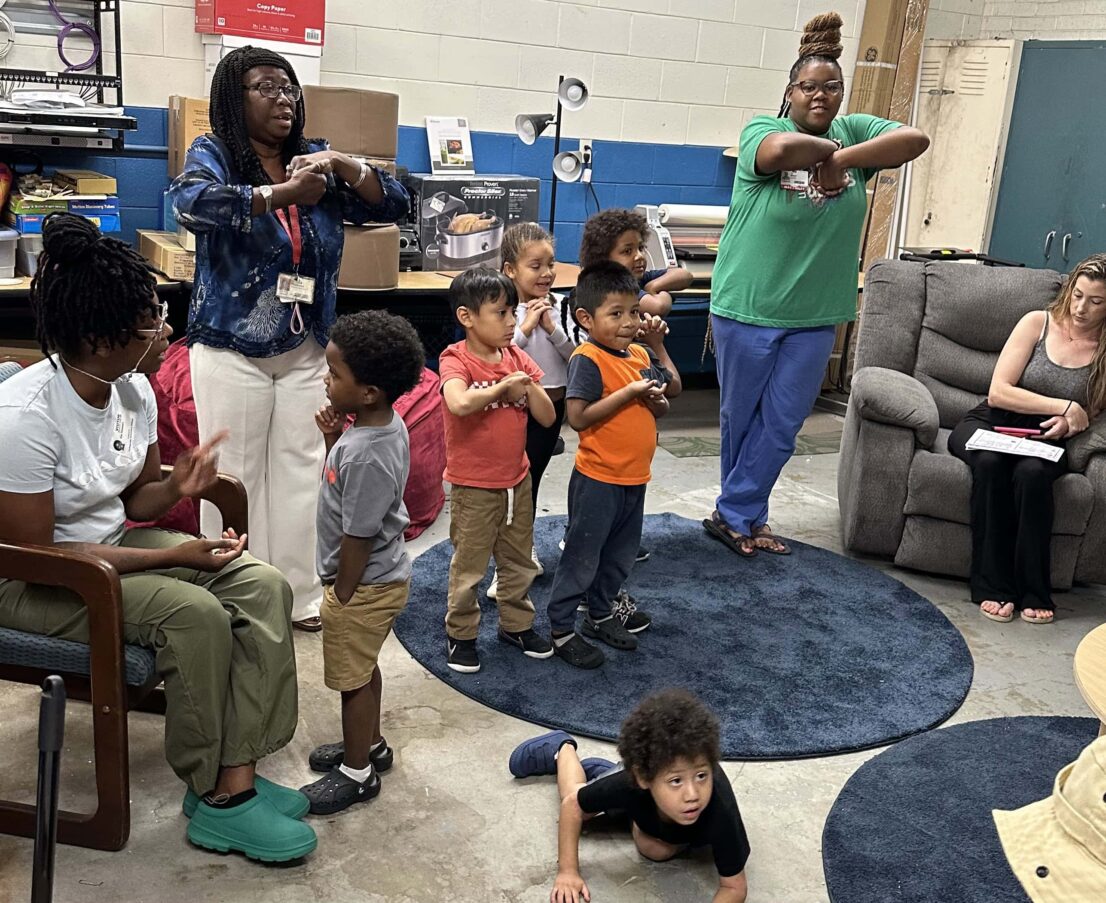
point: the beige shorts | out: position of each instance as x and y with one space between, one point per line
353 633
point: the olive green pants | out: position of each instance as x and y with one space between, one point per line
223 643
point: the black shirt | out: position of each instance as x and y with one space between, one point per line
719 826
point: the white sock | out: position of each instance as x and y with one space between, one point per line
378 745
361 775
559 641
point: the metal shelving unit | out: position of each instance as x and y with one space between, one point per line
28 128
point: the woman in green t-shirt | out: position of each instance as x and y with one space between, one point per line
786 274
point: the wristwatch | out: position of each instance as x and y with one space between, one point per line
266 191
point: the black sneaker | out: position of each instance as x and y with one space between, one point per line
531 644
579 654
610 631
642 554
330 755
462 655
626 610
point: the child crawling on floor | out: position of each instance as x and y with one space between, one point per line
669 784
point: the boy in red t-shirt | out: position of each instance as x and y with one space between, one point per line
487 386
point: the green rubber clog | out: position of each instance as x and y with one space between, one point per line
254 828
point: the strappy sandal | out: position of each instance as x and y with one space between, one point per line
765 532
336 791
734 541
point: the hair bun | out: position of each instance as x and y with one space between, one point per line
822 37
66 237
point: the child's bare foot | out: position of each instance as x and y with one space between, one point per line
997 611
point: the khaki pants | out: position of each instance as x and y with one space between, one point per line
224 649
479 529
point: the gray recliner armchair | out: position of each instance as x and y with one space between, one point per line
929 339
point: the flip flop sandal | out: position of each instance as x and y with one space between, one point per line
997 617
1048 620
336 791
309 625
716 527
765 532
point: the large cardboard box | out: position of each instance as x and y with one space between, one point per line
296 21
449 243
164 251
878 56
354 121
370 258
189 117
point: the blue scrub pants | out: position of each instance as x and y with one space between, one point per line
769 379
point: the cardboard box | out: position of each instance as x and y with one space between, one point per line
85 181
370 258
164 251
186 239
189 117
295 21
362 123
436 201
878 56
306 59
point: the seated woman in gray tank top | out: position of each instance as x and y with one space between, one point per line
1050 376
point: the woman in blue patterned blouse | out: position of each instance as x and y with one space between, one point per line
267 207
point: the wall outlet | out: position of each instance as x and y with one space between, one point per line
585 149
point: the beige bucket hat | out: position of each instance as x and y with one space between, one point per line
1057 846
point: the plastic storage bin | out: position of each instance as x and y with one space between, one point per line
8 240
26 255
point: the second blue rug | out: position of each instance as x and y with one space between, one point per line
804 655
914 825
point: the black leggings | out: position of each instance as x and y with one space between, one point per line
540 441
1011 512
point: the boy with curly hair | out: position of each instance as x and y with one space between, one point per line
669 784
372 359
619 235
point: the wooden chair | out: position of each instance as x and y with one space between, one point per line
116 678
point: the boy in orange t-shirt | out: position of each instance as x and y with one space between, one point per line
616 391
487 386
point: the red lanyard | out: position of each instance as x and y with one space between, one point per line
291 224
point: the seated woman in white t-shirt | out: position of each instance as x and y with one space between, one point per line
80 457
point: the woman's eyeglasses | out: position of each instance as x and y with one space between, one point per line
272 90
161 319
809 88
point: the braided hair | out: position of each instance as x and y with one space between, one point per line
88 289
228 111
820 43
517 237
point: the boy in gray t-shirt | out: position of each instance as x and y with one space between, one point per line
372 358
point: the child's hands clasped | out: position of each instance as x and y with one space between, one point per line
569 888
537 312
516 385
329 421
652 332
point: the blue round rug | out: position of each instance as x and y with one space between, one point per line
803 655
914 825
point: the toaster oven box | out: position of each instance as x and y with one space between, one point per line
460 219
370 257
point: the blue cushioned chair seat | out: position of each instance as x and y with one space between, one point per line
29 650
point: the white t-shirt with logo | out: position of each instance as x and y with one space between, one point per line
52 439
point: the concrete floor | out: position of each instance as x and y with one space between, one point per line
451 824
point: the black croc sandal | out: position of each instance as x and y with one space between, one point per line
329 756
720 530
336 791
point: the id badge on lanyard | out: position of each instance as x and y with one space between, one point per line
292 288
